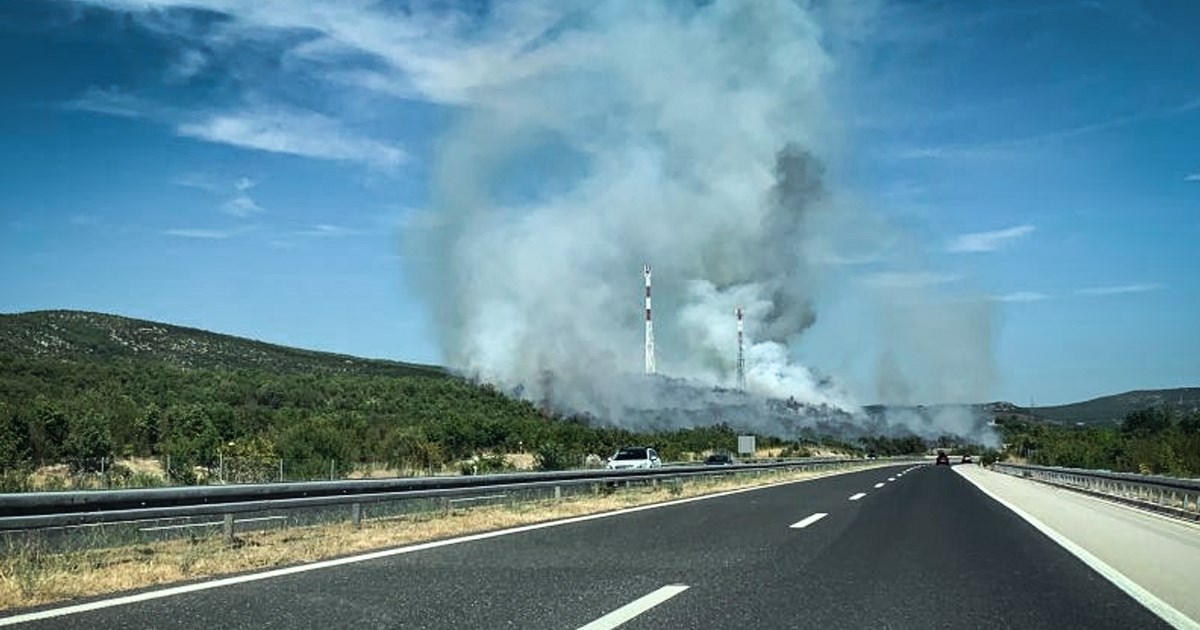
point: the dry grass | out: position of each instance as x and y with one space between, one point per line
30 576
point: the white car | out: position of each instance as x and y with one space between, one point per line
633 457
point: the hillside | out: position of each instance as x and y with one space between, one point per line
80 389
1110 410
78 336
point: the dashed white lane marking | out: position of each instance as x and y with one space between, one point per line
858 496
878 485
809 520
891 478
635 608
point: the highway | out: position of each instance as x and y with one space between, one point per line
898 547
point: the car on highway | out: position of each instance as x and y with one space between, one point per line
633 457
966 459
942 459
719 459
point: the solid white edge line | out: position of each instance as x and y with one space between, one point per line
635 608
1165 611
374 555
808 520
858 496
879 485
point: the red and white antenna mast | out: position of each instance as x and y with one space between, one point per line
741 355
650 365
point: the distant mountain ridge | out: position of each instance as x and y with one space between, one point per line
1113 409
82 336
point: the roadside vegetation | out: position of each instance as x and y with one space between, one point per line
63 420
1156 440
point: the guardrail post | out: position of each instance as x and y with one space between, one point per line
356 515
229 528
557 492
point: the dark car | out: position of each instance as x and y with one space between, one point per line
719 459
943 459
966 459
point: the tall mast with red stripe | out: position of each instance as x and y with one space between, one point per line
741 357
650 365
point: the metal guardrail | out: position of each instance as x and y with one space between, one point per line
46 510
1169 495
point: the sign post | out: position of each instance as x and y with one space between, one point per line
746 446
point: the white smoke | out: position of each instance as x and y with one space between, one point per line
676 130
687 136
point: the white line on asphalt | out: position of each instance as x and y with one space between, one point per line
809 520
374 555
635 608
858 496
1165 611
891 478
878 485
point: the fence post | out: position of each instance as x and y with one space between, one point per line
356 515
331 462
280 470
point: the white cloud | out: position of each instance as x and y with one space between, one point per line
241 206
293 132
113 102
190 63
987 241
428 54
1192 177
909 279
238 201
1012 147
200 233
1021 296
325 230
200 181
1121 289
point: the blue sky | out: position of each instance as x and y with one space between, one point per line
242 168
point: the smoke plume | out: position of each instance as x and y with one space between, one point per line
689 136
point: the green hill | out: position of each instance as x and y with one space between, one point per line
79 336
1110 410
80 389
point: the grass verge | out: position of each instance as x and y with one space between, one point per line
32 576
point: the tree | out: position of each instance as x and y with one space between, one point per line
89 442
1146 422
1190 425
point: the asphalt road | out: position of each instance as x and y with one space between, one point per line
926 550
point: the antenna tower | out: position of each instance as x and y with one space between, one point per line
650 365
741 355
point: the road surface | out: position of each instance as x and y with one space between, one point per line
900 547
